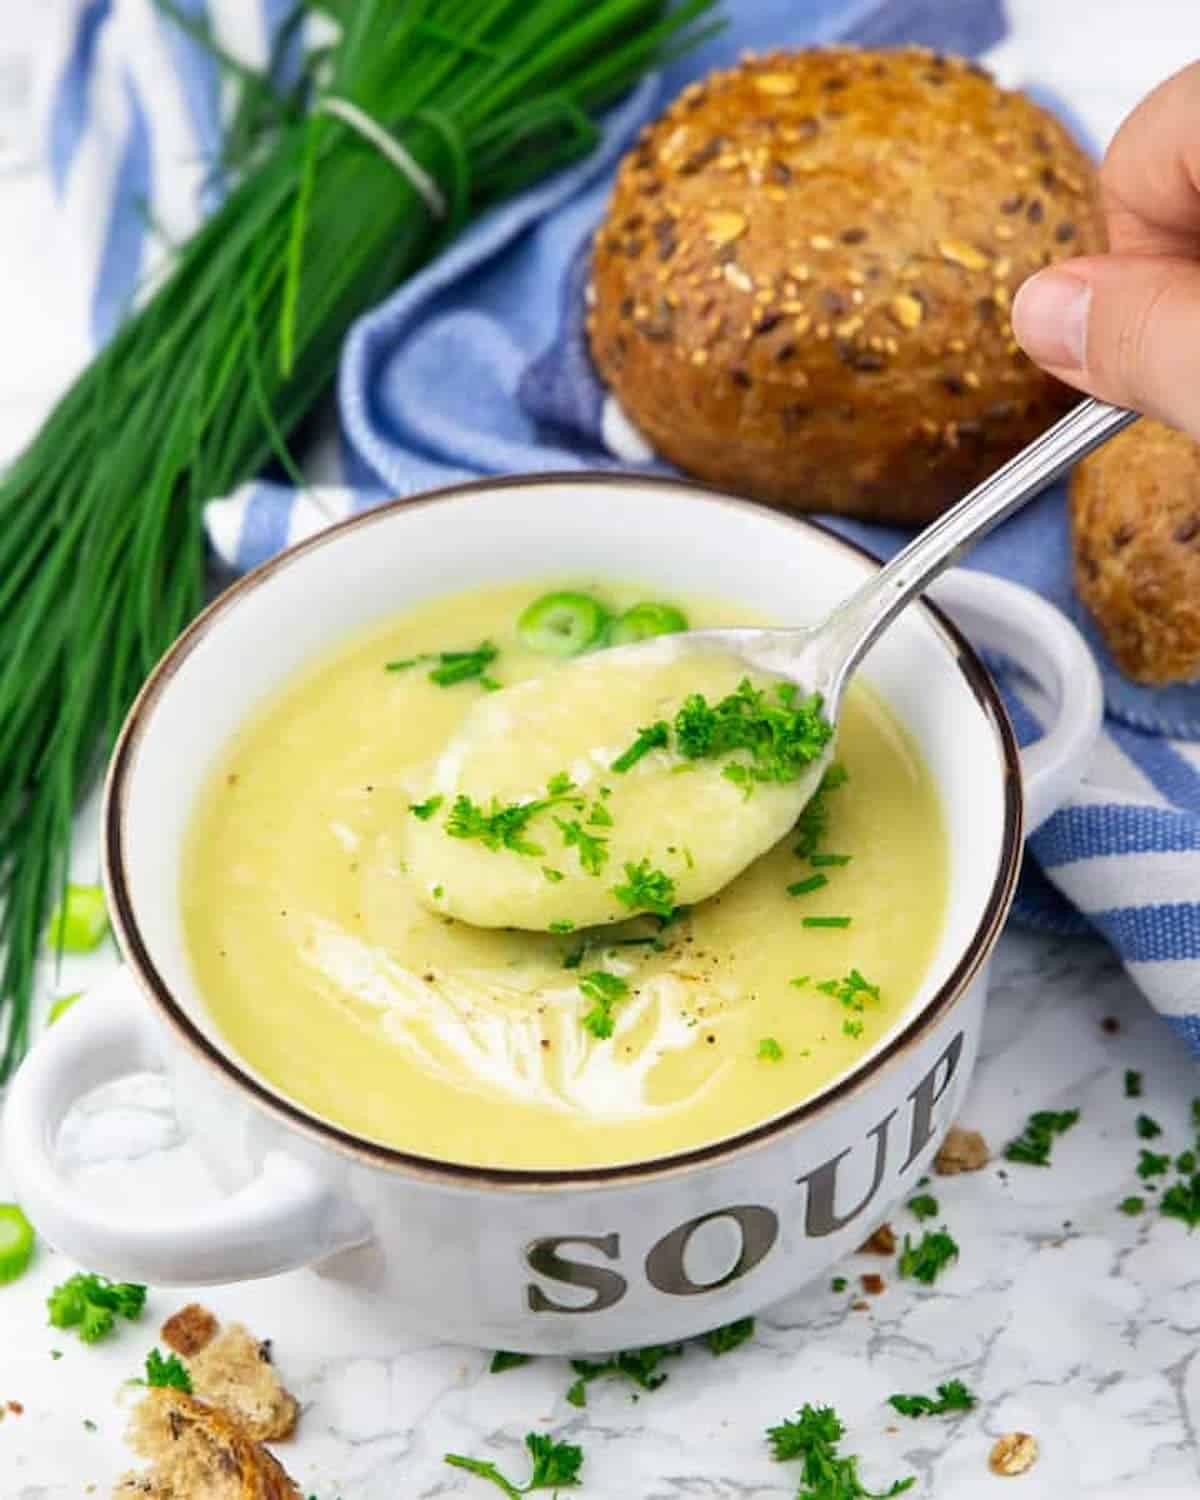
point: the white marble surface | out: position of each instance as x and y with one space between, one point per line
1067 1318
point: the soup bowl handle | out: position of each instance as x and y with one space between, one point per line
285 1217
1010 621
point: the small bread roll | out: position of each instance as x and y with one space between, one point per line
1135 528
801 288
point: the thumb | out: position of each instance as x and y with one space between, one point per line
1125 328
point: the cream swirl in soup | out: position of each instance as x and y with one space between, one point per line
325 929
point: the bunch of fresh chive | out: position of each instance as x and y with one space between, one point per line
101 549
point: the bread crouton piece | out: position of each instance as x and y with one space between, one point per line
198 1453
961 1151
234 1371
189 1330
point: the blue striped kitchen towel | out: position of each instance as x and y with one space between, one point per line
479 366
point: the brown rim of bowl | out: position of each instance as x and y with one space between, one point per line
463 1174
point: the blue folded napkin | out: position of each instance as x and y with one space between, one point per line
479 366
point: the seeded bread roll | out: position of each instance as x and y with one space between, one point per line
1135 525
801 288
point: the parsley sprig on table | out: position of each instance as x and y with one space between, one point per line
641 1366
91 1304
555 1465
812 1437
925 1260
952 1396
1032 1146
729 1335
170 1371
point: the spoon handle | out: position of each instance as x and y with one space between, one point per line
856 625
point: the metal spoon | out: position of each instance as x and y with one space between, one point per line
823 657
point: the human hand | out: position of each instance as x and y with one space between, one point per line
1126 326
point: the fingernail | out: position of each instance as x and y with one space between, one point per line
1049 318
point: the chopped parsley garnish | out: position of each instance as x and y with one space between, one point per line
600 817
563 924
838 1284
853 991
653 737
1133 1084
780 735
800 980
1151 1164
453 666
923 1206
1147 1128
1185 1162
92 1303
952 1396
929 1257
813 823
425 810
853 1028
593 851
604 991
824 921
573 957
1032 1146
1132 1205
1182 1201
812 1436
770 1049
498 828
730 1335
504 1360
167 1372
646 889
820 861
551 874
812 883
554 1465
638 1365
503 826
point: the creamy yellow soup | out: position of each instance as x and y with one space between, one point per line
336 978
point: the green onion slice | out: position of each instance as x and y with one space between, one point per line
16 1242
61 1006
562 624
646 620
79 921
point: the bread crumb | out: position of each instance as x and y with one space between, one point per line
872 1284
961 1151
882 1242
189 1330
194 1451
1012 1454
